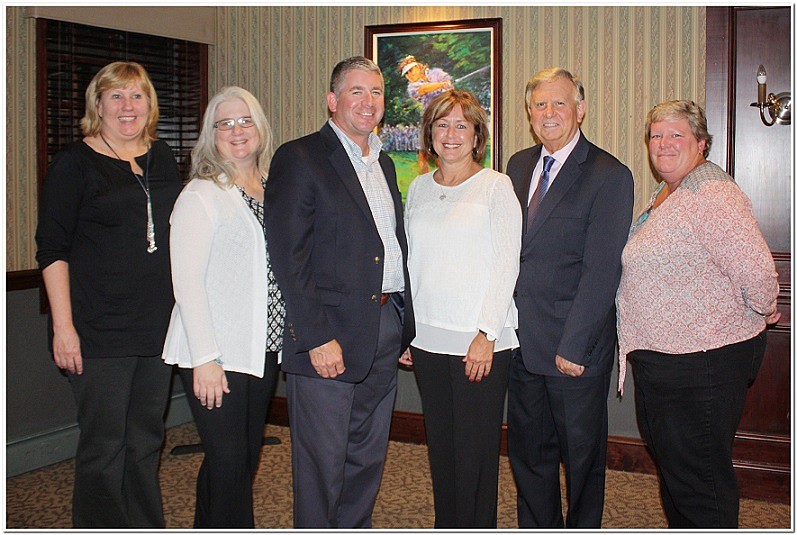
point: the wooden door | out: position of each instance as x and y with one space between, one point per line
759 158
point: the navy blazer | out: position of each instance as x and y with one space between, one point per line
327 255
570 259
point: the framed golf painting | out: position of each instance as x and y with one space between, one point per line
421 60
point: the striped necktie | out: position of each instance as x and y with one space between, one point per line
542 189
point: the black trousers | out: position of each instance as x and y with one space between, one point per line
553 418
688 408
120 407
463 433
232 437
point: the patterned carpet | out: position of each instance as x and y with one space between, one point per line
42 499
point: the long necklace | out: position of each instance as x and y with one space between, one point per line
151 247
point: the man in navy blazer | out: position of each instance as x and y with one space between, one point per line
569 273
335 233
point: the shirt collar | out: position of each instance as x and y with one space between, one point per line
353 149
562 154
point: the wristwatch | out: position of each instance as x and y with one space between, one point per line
490 338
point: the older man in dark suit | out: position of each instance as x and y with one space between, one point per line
335 229
580 201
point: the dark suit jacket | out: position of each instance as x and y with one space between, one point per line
570 259
327 255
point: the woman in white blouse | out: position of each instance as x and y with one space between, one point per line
464 232
226 327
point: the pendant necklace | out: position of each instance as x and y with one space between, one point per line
151 247
442 188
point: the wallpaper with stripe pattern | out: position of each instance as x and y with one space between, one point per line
629 58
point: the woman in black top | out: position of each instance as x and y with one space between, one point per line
103 249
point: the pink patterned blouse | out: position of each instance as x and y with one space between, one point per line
697 273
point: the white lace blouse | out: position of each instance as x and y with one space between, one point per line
464 250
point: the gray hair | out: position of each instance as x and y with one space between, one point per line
551 75
349 64
675 110
207 162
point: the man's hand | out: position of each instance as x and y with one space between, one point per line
568 368
327 359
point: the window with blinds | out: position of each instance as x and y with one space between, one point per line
68 57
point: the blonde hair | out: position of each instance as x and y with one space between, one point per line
675 110
118 75
207 163
441 105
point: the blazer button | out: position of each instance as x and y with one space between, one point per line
522 259
375 298
376 259
514 294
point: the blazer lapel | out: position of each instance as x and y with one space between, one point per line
525 184
567 176
339 159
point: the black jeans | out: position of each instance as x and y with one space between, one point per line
688 409
463 432
232 436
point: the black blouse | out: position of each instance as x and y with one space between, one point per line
93 215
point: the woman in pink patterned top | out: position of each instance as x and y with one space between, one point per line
698 287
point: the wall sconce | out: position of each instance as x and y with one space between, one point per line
778 106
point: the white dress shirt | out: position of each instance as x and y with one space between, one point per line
374 184
560 157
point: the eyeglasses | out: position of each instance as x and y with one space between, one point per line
229 124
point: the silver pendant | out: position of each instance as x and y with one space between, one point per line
442 196
151 247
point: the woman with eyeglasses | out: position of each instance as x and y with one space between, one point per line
226 327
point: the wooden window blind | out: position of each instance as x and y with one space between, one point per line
68 57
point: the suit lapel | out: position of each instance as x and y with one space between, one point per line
524 184
392 185
339 159
567 176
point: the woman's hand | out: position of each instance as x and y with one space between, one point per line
479 359
773 318
210 384
406 358
66 349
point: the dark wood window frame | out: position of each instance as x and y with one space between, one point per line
68 55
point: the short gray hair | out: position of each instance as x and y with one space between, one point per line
551 75
675 110
349 64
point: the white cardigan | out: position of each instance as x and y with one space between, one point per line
218 259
